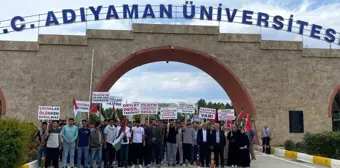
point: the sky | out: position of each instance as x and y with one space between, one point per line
173 82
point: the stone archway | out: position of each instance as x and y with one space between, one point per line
2 103
207 63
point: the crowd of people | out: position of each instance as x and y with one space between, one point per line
157 142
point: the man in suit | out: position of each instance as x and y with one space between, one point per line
204 143
219 142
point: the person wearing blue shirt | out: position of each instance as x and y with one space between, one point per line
69 136
83 144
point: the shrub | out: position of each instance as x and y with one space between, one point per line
15 141
289 145
326 144
300 147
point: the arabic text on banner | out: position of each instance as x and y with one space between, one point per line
115 100
183 107
226 114
83 106
148 108
100 97
168 113
130 109
48 113
207 113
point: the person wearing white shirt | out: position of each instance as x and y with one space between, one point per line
116 135
203 141
110 135
137 144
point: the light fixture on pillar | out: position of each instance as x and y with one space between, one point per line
212 55
167 62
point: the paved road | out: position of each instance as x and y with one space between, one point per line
271 161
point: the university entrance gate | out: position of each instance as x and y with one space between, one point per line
272 80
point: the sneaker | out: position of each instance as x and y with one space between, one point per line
133 166
140 166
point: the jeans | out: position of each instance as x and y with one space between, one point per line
41 152
96 153
68 150
124 154
82 150
52 155
171 153
195 150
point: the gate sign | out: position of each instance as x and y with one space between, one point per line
83 106
100 97
115 101
185 108
148 108
130 109
168 113
226 114
207 113
48 113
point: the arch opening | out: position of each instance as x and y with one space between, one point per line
334 109
2 104
207 63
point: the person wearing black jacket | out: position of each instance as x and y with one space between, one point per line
171 144
219 142
204 143
233 147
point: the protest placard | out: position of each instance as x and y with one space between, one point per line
168 113
83 106
148 108
207 113
115 101
226 114
196 118
187 108
100 97
131 109
48 113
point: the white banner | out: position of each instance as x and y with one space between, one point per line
148 108
168 113
196 118
100 97
48 113
115 100
226 114
130 109
183 107
83 106
207 113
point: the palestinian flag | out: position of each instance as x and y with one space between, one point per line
95 112
118 142
75 111
241 115
115 113
242 122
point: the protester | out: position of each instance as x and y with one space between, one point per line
179 143
233 147
110 136
53 145
243 153
188 142
226 148
41 139
104 152
171 144
204 142
251 137
219 142
96 142
69 134
83 144
195 147
137 144
124 149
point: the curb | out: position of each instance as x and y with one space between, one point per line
333 163
33 164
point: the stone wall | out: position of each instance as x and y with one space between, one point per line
279 75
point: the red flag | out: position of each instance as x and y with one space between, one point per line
75 103
229 123
214 120
124 125
248 123
95 109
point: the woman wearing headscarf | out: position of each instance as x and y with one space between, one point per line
243 149
233 147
